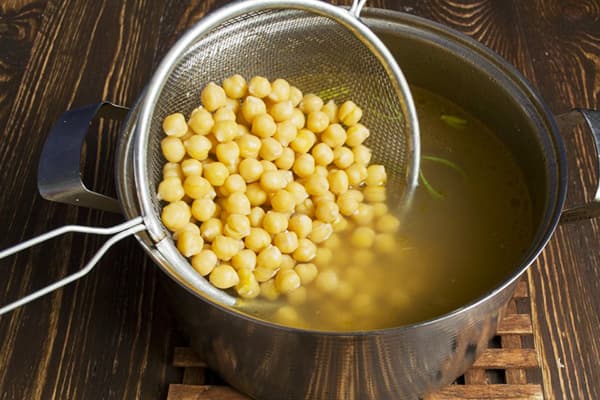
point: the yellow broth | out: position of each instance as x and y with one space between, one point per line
461 237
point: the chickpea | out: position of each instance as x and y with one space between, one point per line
256 216
363 237
234 183
176 215
204 262
283 201
264 274
172 149
282 111
237 226
338 182
362 154
213 97
364 214
189 227
324 256
275 222
189 243
264 126
170 190
376 175
252 107
249 145
286 132
286 241
286 159
305 251
298 119
334 136
304 165
235 86
203 209
268 289
341 224
247 287
307 207
224 113
198 147
343 157
327 211
211 228
316 185
385 243
191 167
387 224
331 109
280 90
323 154
357 173
172 170
287 281
215 173
298 296
374 194
268 165
307 272
311 102
226 247
379 210
349 113
269 258
238 203
257 240
251 169
175 125
327 281
228 152
303 142
321 231
297 191
256 195
295 95
259 86
225 131
271 181
317 121
270 149
245 259
223 276
287 262
357 134
233 105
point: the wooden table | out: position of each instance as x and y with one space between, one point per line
110 335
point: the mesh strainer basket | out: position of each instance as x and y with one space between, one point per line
317 47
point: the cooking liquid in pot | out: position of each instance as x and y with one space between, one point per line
452 248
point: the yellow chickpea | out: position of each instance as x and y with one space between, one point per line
223 276
216 173
176 215
237 226
387 224
175 125
225 131
327 281
189 243
321 231
247 287
191 167
362 154
252 107
226 247
268 289
311 102
256 195
298 119
198 147
385 243
347 205
286 132
363 237
211 228
286 159
235 86
338 182
249 145
357 173
228 152
234 183
257 240
269 258
305 251
380 209
259 86
298 191
264 126
201 121
189 227
323 154
275 222
298 296
307 207
272 181
245 259
251 169
303 142
256 216
268 165
295 95
270 149
357 134
301 225
334 242
282 111
317 121
280 90
170 189
327 211
374 194
341 224
376 175
213 97
286 241
334 136
307 272
287 262
203 209
287 281
331 109
204 262
172 170
224 114
316 185
233 105
324 256
304 165
238 203
364 214
197 187
172 149
343 157
349 113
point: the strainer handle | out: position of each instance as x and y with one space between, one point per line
567 122
356 8
119 231
59 170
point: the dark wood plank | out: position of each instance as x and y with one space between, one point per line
197 392
514 376
517 324
488 392
185 357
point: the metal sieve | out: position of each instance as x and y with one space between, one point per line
316 46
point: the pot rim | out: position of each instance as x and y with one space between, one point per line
549 220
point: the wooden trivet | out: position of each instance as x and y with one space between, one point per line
508 369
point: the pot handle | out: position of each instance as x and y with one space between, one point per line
566 122
59 170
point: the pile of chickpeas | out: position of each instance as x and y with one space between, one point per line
261 180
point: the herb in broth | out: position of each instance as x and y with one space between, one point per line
447 253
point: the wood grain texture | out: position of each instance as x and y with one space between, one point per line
110 335
196 392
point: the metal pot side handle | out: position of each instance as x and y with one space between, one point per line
59 179
565 123
59 170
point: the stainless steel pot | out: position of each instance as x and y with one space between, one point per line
268 361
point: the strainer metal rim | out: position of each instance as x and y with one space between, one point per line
144 190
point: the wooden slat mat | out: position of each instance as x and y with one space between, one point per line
508 369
